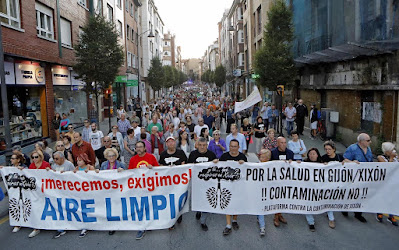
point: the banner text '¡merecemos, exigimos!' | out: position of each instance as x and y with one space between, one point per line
144 182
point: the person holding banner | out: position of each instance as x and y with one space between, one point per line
233 155
172 157
331 155
142 159
389 155
264 156
38 160
359 152
202 154
278 154
313 155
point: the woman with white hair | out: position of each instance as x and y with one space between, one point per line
111 154
389 155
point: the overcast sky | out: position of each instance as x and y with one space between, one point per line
194 22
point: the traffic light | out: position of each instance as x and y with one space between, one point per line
280 90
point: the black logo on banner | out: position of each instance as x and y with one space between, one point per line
20 206
221 195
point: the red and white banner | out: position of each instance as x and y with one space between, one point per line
139 199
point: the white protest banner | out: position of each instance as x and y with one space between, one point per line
299 188
251 100
130 200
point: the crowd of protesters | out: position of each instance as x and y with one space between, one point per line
186 128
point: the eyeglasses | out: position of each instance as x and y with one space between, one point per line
35 157
106 141
60 145
215 134
111 155
70 127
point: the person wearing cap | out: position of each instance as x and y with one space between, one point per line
172 157
17 149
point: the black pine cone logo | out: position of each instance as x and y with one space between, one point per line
21 205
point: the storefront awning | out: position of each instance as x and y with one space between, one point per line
348 51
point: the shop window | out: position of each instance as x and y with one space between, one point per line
9 13
44 21
72 102
66 38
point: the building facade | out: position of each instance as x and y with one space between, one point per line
39 74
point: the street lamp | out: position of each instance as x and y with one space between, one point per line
151 35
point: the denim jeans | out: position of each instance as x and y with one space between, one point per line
261 220
310 218
204 216
290 126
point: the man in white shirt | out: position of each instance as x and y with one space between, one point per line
96 139
199 127
136 128
290 113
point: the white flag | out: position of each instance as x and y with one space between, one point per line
251 100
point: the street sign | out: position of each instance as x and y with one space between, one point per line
120 79
132 83
237 72
255 76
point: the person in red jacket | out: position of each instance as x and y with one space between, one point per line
81 147
38 161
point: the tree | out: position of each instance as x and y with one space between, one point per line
182 77
98 56
220 76
169 77
156 74
274 61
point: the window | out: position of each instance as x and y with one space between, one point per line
9 13
134 61
259 14
66 35
44 21
241 59
133 36
127 5
127 31
240 36
166 43
83 3
239 13
137 13
129 59
119 4
156 36
131 9
99 7
119 28
110 13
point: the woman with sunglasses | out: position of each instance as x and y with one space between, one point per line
217 145
37 163
17 160
59 146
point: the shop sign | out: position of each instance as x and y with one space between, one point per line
255 76
132 83
76 82
9 72
29 73
60 75
120 79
